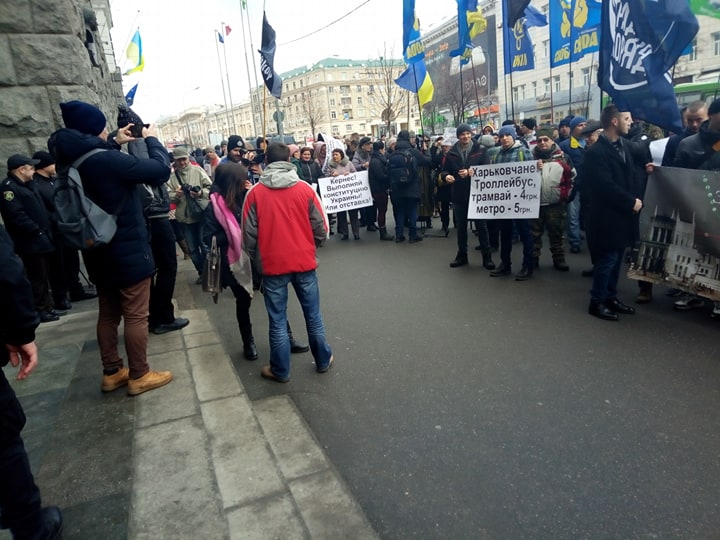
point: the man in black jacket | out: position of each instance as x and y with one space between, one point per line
406 195
614 191
122 269
28 225
456 171
64 261
20 505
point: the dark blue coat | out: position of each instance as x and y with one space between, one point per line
108 177
411 190
25 216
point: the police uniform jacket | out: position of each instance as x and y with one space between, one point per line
25 217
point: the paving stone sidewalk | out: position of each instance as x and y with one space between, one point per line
194 459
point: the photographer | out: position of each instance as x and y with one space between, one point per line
189 189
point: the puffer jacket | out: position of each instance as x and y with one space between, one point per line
108 178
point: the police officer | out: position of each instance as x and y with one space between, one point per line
28 225
20 506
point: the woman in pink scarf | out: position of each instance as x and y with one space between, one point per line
222 219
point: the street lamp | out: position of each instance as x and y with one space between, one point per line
187 123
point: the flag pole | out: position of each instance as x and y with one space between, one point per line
417 95
253 95
589 87
252 48
227 76
552 99
512 97
462 97
570 78
217 51
477 96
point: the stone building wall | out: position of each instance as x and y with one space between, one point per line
44 61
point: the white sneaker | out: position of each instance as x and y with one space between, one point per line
689 302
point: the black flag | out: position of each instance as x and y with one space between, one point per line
267 59
515 10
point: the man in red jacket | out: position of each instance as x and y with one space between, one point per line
283 221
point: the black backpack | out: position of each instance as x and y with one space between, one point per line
401 166
82 223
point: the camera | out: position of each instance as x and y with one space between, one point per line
187 188
137 129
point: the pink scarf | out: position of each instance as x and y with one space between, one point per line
238 260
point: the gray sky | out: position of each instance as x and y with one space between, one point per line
179 42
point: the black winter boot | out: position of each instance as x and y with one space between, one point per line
460 260
487 261
384 235
249 349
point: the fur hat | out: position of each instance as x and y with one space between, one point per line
83 117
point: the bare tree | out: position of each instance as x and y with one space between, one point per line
389 99
313 108
449 94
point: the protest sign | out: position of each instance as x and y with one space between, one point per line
680 231
505 191
346 192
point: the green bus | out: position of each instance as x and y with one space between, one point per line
697 91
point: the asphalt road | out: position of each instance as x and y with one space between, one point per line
464 406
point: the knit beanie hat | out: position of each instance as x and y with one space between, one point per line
235 141
576 121
462 128
508 130
45 159
488 141
404 135
544 131
83 117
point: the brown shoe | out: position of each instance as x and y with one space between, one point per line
149 381
116 380
267 373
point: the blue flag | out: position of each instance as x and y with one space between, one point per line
130 96
518 47
267 59
221 39
413 48
513 11
640 42
465 45
574 30
534 17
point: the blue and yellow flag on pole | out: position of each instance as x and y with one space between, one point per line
470 23
574 30
413 48
416 79
134 53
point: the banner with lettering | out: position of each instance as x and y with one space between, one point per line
680 231
574 30
505 191
347 192
518 47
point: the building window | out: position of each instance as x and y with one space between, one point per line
371 89
344 90
346 101
332 102
333 115
344 75
693 54
331 89
533 88
359 101
349 128
293 85
556 83
716 43
586 75
545 48
571 79
515 94
546 86
358 88
297 109
328 77
521 91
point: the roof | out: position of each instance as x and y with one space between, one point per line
338 63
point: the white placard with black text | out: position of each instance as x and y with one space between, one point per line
505 191
346 192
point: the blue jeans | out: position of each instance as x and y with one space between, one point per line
407 209
573 223
276 298
606 275
198 250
